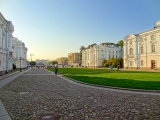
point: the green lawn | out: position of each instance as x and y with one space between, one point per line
123 79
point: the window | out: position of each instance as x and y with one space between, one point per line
116 51
141 49
113 51
131 63
153 48
113 56
109 56
141 62
109 51
153 37
116 56
131 51
2 43
130 42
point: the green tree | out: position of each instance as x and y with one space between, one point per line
32 63
50 62
81 49
55 62
13 66
120 43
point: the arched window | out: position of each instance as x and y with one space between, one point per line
102 56
131 51
153 48
153 37
141 62
131 63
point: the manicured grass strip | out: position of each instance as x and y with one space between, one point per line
106 77
122 83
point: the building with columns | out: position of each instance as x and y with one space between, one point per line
21 53
94 56
142 51
62 60
74 59
8 54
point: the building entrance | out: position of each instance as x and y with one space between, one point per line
152 64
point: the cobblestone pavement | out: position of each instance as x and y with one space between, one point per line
49 97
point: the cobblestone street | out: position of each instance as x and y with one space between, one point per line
41 95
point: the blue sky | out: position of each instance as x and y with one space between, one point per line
54 28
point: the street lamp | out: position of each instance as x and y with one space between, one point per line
20 64
31 56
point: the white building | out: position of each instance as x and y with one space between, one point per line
94 56
42 62
21 53
8 55
142 51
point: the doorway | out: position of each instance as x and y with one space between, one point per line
152 64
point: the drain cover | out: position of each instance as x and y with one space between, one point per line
48 117
22 93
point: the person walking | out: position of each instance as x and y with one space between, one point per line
56 69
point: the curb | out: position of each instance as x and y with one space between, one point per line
8 75
118 88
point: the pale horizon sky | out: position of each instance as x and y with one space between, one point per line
53 28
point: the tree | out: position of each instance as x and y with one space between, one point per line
32 63
55 62
13 66
50 62
81 49
120 43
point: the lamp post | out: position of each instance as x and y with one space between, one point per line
20 64
31 56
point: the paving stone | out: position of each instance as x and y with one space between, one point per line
38 93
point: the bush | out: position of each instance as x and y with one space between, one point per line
14 66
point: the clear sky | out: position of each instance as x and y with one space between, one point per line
54 28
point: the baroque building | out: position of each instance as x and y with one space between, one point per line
142 51
9 52
62 60
94 56
21 53
6 53
74 59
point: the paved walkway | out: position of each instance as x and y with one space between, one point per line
40 95
5 79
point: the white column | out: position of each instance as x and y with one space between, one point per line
0 34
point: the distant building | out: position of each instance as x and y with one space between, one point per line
74 59
62 60
94 56
142 51
42 62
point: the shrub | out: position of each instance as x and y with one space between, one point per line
14 66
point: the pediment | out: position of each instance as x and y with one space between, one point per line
130 36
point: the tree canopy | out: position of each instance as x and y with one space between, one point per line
120 43
113 61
